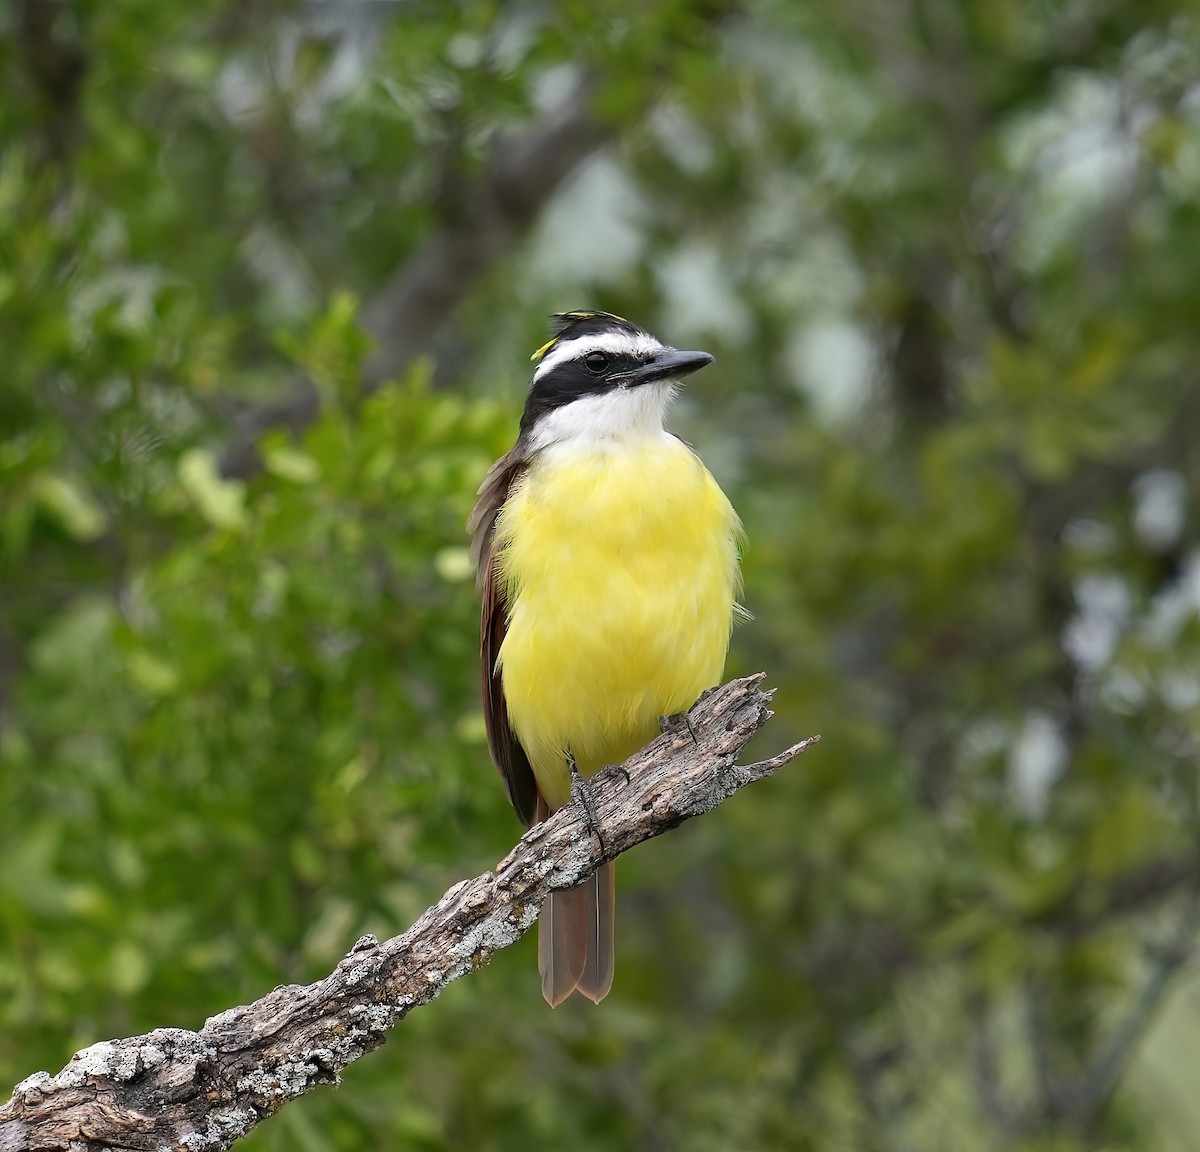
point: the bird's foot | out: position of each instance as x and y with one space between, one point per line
671 724
619 769
581 794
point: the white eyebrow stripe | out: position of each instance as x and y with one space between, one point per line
618 343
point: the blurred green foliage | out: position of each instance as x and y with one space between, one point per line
946 254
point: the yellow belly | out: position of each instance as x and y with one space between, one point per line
621 570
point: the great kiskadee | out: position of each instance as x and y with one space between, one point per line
608 562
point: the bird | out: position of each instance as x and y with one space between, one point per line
608 561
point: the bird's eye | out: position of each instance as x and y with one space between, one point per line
595 362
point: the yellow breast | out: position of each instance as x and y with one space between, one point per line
620 566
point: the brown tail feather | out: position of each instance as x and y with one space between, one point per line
576 940
597 976
562 943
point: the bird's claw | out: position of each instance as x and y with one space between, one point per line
673 723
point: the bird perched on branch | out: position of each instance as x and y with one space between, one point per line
608 562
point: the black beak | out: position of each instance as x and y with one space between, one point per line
668 362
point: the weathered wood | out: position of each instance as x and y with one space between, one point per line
201 1091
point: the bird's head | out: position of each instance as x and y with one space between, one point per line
602 378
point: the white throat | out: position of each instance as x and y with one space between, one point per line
607 419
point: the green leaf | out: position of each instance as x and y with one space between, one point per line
221 502
79 513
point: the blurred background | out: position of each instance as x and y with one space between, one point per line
270 275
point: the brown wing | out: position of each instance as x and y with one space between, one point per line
507 753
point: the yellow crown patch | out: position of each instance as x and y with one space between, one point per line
544 349
562 321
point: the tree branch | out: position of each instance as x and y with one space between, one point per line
201 1091
410 309
56 65
1101 1079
